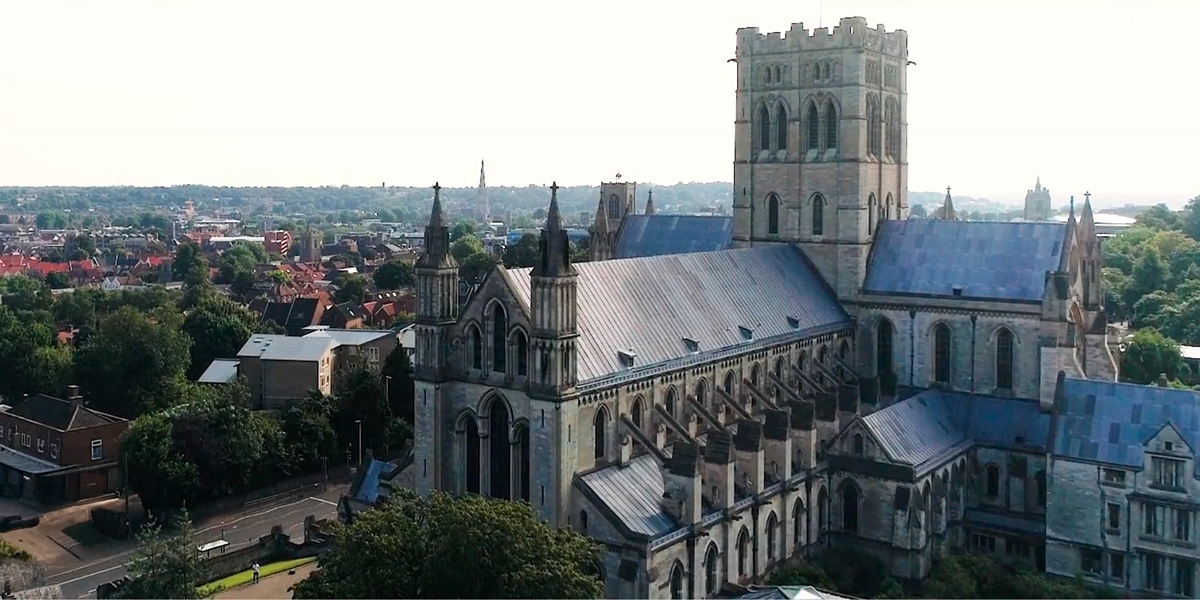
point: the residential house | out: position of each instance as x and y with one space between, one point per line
54 451
346 315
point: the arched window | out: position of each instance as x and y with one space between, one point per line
822 508
754 375
677 581
883 347
781 128
729 383
614 206
849 507
772 537
814 127
767 75
599 429
831 127
802 364
476 348
1004 359
743 551
818 215
843 358
893 128
859 448
874 133
671 402
711 585
823 356
764 129
471 440
941 353
871 214
773 214
635 413
778 79
499 339
889 116
992 483
888 214
702 392
500 451
583 522
522 354
798 522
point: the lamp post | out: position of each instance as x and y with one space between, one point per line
360 448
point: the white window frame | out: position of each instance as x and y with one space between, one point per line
98 445
26 440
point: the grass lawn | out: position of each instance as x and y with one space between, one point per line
247 576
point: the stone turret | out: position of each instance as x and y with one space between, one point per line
946 212
553 288
600 244
436 274
650 202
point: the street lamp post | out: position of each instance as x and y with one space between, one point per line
360 448
325 467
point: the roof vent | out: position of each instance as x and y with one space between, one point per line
747 333
957 290
692 345
626 357
793 322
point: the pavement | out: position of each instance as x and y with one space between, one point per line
275 587
80 569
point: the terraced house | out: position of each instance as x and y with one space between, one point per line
841 375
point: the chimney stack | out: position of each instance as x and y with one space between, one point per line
74 398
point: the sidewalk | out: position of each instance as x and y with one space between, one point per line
274 587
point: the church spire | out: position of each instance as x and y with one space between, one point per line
484 204
437 238
601 224
948 208
555 255
650 203
1038 187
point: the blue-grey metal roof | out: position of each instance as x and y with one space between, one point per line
351 337
26 464
368 485
650 305
658 235
221 370
634 493
794 592
990 260
283 347
935 424
1111 422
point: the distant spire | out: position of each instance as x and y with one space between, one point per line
553 219
1072 207
484 204
650 203
601 218
1038 187
948 208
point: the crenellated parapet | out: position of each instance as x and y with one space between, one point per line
850 32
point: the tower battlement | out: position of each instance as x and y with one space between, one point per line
850 32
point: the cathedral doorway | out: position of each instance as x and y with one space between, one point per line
499 450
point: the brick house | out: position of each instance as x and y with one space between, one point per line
54 451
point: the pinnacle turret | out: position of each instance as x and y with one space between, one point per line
650 203
555 255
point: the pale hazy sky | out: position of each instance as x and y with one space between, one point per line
1088 94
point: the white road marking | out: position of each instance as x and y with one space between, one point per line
323 501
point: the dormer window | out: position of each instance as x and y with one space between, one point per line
692 345
793 322
1167 472
627 358
747 334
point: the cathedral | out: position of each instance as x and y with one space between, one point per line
834 374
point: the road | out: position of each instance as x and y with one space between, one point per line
240 530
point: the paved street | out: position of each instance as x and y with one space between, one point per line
241 529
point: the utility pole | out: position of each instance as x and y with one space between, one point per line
360 448
325 467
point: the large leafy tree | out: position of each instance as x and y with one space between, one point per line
363 398
351 288
308 432
401 388
1149 354
30 362
454 547
135 362
523 253
20 292
189 265
394 274
218 329
165 565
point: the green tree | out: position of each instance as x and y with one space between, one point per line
308 433
23 293
465 247
401 387
242 283
421 547
86 244
1159 217
362 399
1191 218
1149 274
189 265
218 328
135 362
58 280
394 274
1148 354
351 287
165 566
461 230
278 277
523 253
30 362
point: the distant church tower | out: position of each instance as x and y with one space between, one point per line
1037 203
616 201
820 142
484 205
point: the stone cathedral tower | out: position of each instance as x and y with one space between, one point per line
437 290
553 283
820 136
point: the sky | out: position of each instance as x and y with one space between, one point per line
1090 95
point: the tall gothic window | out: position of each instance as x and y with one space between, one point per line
814 127
818 215
831 127
522 354
772 537
671 402
635 413
883 347
614 206
677 580
702 392
874 132
711 585
500 450
941 353
798 522
871 215
476 348
781 128
599 429
849 507
471 439
743 553
893 141
773 214
499 339
729 383
1004 359
764 129
992 481
523 451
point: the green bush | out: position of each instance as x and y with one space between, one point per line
11 552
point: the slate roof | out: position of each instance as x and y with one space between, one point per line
282 347
996 261
25 463
220 370
659 235
1110 422
634 493
366 486
649 305
352 337
806 592
934 425
60 414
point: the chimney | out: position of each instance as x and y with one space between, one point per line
748 444
682 498
626 449
803 428
719 471
777 443
74 398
